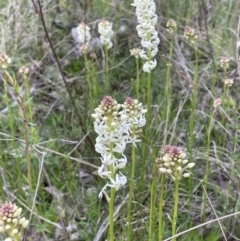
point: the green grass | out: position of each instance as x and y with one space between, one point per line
64 162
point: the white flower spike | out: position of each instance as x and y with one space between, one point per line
106 33
116 128
147 19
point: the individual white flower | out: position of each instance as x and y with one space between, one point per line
119 147
119 181
162 170
190 165
108 159
106 33
120 163
149 66
103 173
8 239
103 192
186 174
101 148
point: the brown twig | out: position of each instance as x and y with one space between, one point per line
38 10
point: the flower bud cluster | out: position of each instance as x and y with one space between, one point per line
135 52
217 102
229 82
24 70
172 161
114 129
136 118
224 62
190 35
4 61
106 33
171 26
11 224
147 19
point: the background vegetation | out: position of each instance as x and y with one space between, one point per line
65 184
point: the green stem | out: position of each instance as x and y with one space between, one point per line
150 231
29 107
111 203
193 106
191 123
168 92
88 83
146 149
236 130
147 134
152 201
138 79
207 169
107 71
161 203
225 107
175 211
149 98
111 215
10 114
131 195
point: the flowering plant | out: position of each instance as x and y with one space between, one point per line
112 128
116 128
